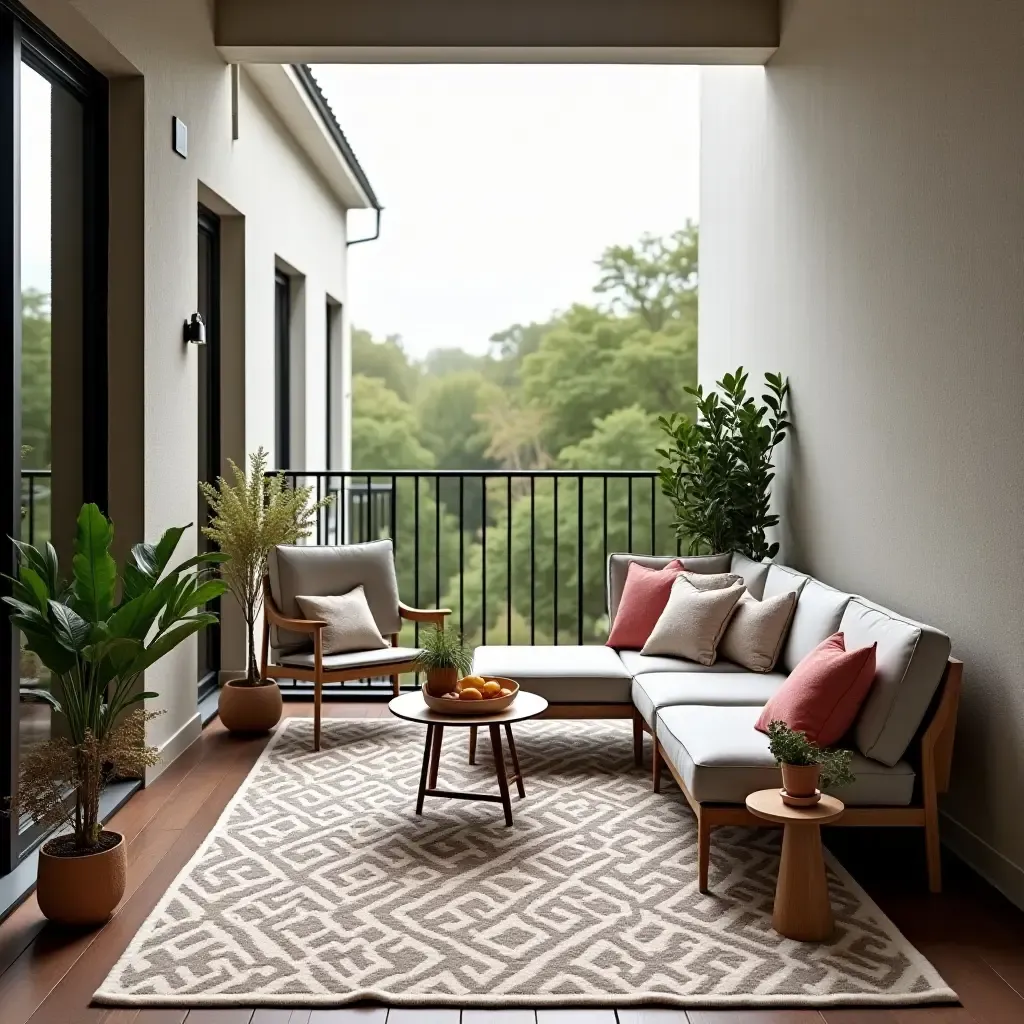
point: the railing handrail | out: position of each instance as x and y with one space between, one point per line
406 473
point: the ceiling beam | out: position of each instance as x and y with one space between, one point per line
632 31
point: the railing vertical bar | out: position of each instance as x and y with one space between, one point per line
654 539
462 552
604 540
394 515
32 510
554 549
508 564
483 557
629 517
369 508
579 560
533 560
319 511
437 541
343 511
416 558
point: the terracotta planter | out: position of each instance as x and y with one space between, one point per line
249 709
81 891
441 681
800 782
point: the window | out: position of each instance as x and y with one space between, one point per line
282 372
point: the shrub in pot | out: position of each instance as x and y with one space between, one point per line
96 645
248 518
806 768
444 657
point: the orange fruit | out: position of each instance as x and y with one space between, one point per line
473 682
491 689
470 693
505 692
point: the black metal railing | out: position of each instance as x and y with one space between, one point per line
35 505
519 555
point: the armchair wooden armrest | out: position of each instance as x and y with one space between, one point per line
433 615
273 615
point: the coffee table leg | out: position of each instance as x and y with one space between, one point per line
499 764
802 908
427 743
472 744
515 761
435 756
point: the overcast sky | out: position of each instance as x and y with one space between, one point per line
503 183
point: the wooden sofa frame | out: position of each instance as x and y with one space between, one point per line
932 755
318 675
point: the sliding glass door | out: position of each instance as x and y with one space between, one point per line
53 222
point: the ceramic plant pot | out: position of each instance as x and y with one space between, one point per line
81 890
441 681
249 709
800 784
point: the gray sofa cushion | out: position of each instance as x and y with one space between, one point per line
753 573
318 571
375 661
657 690
562 675
721 758
783 580
910 660
618 566
818 611
637 664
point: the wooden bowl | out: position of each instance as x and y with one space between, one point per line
488 706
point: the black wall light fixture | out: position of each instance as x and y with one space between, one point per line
194 330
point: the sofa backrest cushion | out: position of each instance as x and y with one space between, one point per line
641 603
911 660
754 573
618 566
318 571
819 611
783 580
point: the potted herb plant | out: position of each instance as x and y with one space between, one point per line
445 658
248 518
96 645
806 768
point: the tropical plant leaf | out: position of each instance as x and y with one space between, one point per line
95 572
43 696
70 629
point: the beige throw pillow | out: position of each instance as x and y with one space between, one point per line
350 625
693 622
757 630
710 580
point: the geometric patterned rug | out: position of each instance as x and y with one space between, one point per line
320 886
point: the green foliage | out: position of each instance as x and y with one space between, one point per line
719 470
98 643
443 647
249 516
35 379
384 429
385 360
789 746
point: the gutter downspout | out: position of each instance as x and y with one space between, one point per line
369 238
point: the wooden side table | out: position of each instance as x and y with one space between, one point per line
413 708
802 907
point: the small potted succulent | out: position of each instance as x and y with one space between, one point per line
806 768
444 657
96 638
249 517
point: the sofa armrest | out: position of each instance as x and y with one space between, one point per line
432 615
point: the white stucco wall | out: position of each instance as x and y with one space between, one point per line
287 213
862 229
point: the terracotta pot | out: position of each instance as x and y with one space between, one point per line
441 681
801 780
249 709
84 890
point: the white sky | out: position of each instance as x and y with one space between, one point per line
502 184
35 180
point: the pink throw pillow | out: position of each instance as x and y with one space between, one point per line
644 597
824 692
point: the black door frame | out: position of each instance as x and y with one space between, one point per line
282 368
209 233
24 39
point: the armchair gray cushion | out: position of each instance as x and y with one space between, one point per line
317 571
376 662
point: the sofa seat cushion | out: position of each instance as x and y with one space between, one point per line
656 690
379 659
721 758
562 675
910 661
637 664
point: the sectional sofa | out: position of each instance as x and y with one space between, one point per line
701 719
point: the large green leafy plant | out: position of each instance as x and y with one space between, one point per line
719 470
248 518
97 638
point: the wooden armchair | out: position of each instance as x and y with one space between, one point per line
292 647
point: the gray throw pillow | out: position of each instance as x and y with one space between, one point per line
693 622
350 625
757 630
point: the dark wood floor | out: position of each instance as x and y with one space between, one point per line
973 936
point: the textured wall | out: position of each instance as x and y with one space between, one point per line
862 229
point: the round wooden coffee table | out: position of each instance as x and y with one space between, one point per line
802 908
413 708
